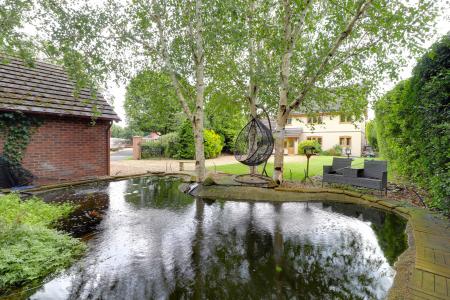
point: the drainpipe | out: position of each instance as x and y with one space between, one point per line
108 159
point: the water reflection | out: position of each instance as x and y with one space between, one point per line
156 243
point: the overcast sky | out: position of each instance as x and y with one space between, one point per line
442 27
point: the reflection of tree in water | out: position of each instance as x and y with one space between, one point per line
389 229
248 264
391 237
232 251
156 193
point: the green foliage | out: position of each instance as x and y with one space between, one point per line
151 103
335 151
152 149
413 125
303 144
17 129
13 39
371 134
185 148
33 211
185 143
30 249
213 143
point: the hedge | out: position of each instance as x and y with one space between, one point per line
413 125
305 143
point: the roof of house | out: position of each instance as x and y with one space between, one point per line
46 88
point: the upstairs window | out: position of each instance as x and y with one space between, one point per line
315 120
289 121
345 118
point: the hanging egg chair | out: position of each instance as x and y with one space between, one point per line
254 144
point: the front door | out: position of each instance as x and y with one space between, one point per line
289 146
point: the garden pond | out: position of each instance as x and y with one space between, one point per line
148 240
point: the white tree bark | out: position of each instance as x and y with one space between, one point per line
291 33
196 117
252 86
197 121
284 110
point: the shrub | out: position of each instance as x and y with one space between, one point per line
305 143
168 142
229 138
371 134
335 151
152 149
185 147
213 143
30 248
413 125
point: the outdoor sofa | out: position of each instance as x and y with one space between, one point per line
373 175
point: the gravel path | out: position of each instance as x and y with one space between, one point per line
131 167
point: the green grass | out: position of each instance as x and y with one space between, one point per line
294 171
30 248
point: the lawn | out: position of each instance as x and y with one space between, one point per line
292 171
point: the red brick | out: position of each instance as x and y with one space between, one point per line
67 149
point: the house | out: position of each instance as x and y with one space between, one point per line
72 141
327 128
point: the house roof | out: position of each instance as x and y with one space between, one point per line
46 89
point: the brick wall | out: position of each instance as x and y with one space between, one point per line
67 149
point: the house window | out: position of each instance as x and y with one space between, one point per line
345 118
315 138
289 121
315 120
345 141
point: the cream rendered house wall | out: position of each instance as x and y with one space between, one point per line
330 131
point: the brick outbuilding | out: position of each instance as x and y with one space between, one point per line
73 140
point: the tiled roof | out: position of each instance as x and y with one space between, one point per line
46 88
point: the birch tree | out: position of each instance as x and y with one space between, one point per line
344 46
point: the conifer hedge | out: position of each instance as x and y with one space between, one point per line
413 125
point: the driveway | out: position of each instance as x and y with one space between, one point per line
122 154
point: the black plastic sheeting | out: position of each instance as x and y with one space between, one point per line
13 175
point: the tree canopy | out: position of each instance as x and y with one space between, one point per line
151 103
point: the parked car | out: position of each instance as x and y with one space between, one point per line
368 151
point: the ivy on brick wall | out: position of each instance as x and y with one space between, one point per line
16 129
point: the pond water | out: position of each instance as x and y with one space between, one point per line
147 240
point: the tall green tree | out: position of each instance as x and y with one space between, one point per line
151 103
328 46
309 48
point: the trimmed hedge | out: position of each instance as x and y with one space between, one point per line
335 151
413 125
305 143
165 146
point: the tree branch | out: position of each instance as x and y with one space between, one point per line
168 64
362 7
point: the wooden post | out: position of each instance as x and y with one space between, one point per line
137 147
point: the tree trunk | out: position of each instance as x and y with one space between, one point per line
288 40
252 87
200 92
